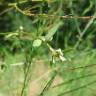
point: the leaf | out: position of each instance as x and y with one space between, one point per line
53 30
10 35
37 43
88 9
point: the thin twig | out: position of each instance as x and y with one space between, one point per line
27 70
74 79
47 86
78 88
50 16
67 69
5 11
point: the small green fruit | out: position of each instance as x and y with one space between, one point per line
37 43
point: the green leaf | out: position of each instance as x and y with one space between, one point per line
11 35
88 9
37 43
53 30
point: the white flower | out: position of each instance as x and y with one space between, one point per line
60 55
56 54
21 28
62 58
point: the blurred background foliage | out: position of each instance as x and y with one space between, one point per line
68 34
75 36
